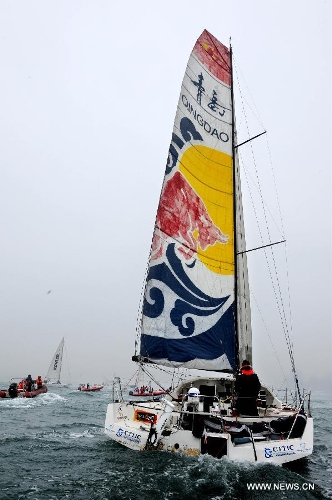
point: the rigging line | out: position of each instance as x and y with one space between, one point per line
153 378
275 183
282 317
264 214
261 236
255 168
178 377
278 298
131 378
282 227
284 322
283 308
259 186
267 331
247 172
255 111
281 219
280 307
157 367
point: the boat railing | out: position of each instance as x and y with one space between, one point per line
291 399
309 403
306 403
117 394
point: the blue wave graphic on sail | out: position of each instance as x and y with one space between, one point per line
190 302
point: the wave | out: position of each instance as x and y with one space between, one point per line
41 400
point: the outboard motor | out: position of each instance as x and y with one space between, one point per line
12 391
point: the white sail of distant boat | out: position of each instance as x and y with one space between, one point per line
53 376
195 312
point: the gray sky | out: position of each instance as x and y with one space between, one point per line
88 95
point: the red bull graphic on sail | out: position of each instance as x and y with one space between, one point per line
181 215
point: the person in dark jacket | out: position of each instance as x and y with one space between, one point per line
247 387
29 382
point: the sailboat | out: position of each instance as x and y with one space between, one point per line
195 312
54 371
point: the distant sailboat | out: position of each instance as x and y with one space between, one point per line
53 376
195 312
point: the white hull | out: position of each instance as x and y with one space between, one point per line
129 424
133 435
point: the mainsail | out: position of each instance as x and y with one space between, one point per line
54 370
195 311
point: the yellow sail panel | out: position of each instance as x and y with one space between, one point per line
209 172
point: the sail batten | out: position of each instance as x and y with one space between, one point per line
189 300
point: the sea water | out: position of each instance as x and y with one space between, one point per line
53 447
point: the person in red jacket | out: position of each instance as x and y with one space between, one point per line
39 382
247 387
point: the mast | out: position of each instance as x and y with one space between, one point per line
234 216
